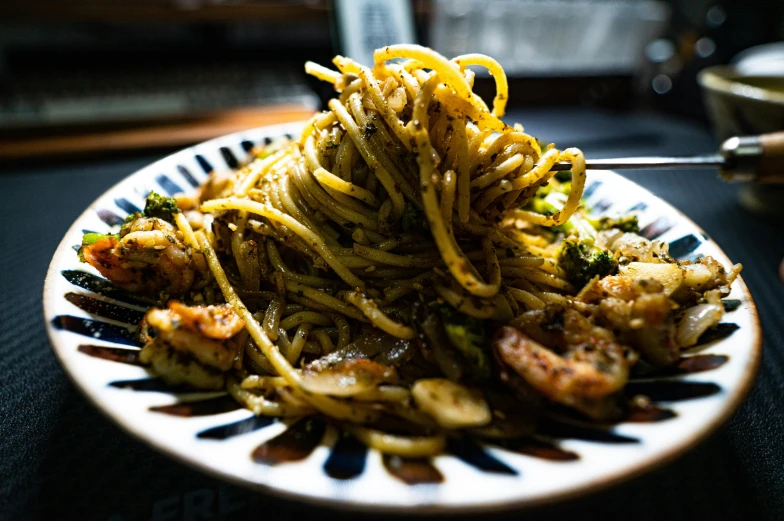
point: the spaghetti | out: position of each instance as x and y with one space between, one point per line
370 259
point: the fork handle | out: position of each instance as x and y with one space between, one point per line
754 158
772 160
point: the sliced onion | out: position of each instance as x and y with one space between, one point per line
695 321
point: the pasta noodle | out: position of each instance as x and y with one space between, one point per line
366 261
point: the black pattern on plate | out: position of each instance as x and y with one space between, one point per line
203 163
126 205
346 458
169 186
188 176
600 207
691 364
208 407
557 429
672 390
99 285
718 332
246 145
109 217
294 444
112 354
229 157
223 432
95 329
731 304
651 414
679 248
537 448
412 471
656 229
470 452
154 385
104 309
639 207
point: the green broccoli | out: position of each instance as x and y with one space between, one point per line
132 217
626 223
540 204
582 261
543 203
160 206
469 337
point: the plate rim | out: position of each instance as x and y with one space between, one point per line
730 405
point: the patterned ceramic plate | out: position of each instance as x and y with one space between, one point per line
90 324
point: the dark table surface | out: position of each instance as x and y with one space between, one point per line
61 459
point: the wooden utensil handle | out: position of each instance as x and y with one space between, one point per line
771 167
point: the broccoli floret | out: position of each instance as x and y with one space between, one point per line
132 217
469 337
582 261
160 206
539 205
627 223
565 187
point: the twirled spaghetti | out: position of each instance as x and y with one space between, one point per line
369 261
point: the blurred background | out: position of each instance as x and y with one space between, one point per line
97 76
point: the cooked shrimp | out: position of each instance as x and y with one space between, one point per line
148 257
192 344
582 365
639 312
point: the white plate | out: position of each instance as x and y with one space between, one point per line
475 477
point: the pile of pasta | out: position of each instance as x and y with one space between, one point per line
389 200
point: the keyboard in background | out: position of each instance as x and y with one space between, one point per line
115 97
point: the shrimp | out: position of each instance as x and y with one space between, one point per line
640 314
192 344
583 367
148 256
